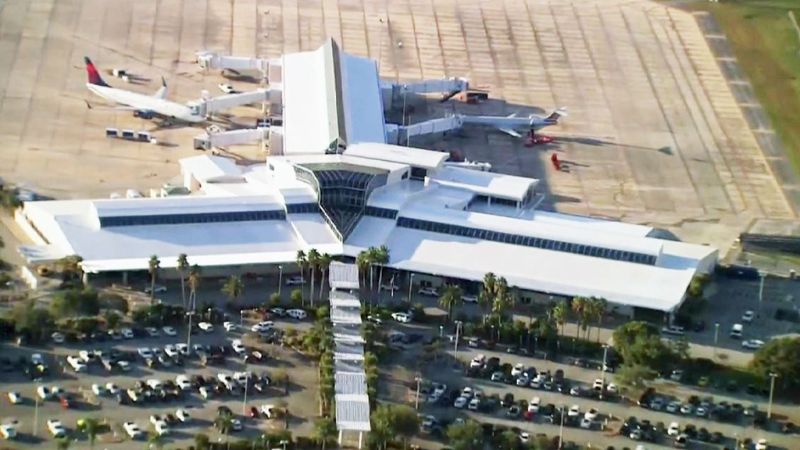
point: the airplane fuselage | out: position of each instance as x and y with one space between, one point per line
510 122
158 106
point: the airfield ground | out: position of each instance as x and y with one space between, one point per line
654 134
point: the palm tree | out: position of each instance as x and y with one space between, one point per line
194 283
324 431
599 306
372 254
313 265
486 296
152 267
154 440
183 265
91 427
70 267
233 288
577 306
324 263
362 261
301 261
450 298
381 258
560 315
63 443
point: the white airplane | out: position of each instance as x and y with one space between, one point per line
144 106
511 123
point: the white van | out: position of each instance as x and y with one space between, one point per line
736 331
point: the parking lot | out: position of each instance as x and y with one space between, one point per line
729 416
300 396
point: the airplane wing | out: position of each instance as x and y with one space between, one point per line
109 107
162 91
510 132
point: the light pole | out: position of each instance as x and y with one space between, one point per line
761 274
561 430
772 377
716 338
418 379
280 278
603 370
246 383
391 285
410 285
284 443
441 331
458 328
193 302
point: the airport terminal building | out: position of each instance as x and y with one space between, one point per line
438 221
333 184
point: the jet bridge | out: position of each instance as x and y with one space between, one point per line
393 93
211 105
237 64
214 138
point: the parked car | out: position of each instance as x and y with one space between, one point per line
227 88
402 317
205 326
752 344
297 314
295 281
428 291
748 316
132 430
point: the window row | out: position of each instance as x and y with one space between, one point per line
380 212
174 219
527 241
300 208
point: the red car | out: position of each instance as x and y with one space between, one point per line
254 413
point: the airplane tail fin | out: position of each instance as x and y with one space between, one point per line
162 91
92 73
557 114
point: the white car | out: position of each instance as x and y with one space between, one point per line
183 382
154 383
205 326
161 428
534 404
14 398
401 317
169 331
474 404
56 428
76 363
268 410
57 337
144 352
674 429
469 298
280 312
295 281
124 366
586 423
44 392
155 418
183 349
227 88
262 326
158 289
98 389
477 361
524 436
204 392
297 314
429 291
8 431
460 403
183 415
517 369
236 425
687 409
591 414
229 326
241 377
574 411
752 344
133 430
748 316
152 332
170 350
127 333
762 444
112 388
439 389
237 346
612 388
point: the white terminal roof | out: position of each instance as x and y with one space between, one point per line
486 183
207 168
417 157
329 97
